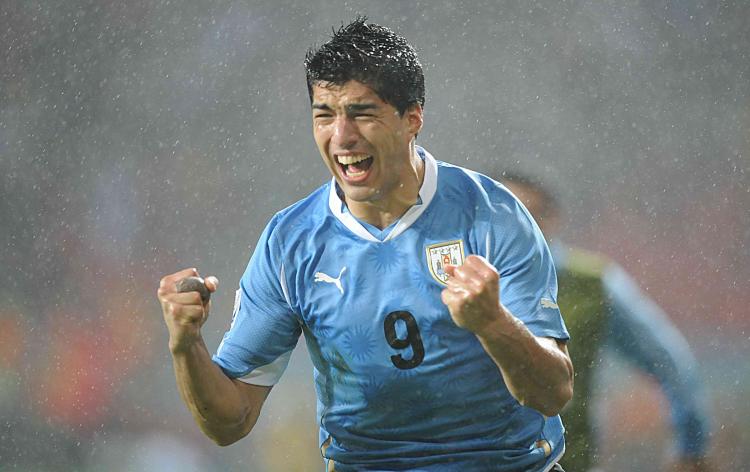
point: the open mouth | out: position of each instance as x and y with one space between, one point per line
354 166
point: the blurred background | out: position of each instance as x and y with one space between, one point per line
141 137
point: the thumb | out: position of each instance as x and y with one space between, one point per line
212 283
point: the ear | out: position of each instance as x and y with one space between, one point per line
414 115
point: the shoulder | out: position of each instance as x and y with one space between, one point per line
301 216
461 184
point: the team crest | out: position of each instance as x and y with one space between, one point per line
440 254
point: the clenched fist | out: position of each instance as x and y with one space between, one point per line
473 293
184 312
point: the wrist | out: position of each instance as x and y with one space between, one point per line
184 345
501 325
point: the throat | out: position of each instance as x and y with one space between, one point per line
379 215
391 201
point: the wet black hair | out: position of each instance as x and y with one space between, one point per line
373 55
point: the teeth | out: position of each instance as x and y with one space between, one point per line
346 160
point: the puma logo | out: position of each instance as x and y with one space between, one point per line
321 277
547 303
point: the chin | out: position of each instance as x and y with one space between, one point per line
359 194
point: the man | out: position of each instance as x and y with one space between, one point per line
604 306
395 272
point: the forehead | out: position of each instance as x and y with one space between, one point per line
349 92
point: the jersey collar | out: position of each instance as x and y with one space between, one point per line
426 193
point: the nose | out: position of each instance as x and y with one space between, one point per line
345 133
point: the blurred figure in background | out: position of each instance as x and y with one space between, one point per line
604 307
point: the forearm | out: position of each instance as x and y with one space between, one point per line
221 410
536 371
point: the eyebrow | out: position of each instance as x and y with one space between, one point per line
354 107
360 107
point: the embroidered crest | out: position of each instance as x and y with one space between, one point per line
440 254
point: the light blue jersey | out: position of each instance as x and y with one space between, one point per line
399 385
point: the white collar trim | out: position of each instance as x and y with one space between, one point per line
426 193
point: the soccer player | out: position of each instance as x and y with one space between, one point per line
425 292
603 305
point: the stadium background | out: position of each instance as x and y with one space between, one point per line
141 137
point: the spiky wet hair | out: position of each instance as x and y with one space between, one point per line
373 55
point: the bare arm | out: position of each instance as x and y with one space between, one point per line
225 409
537 371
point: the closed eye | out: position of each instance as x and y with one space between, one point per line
321 110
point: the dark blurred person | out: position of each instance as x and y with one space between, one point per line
604 307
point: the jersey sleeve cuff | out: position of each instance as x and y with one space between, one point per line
265 375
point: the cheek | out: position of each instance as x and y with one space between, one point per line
327 162
321 136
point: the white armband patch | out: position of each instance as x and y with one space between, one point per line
237 298
269 374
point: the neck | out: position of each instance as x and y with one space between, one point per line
381 213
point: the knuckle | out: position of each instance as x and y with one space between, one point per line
489 276
180 311
174 309
478 281
475 260
169 309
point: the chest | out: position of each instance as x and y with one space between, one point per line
378 305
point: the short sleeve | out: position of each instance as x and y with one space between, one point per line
264 328
528 282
